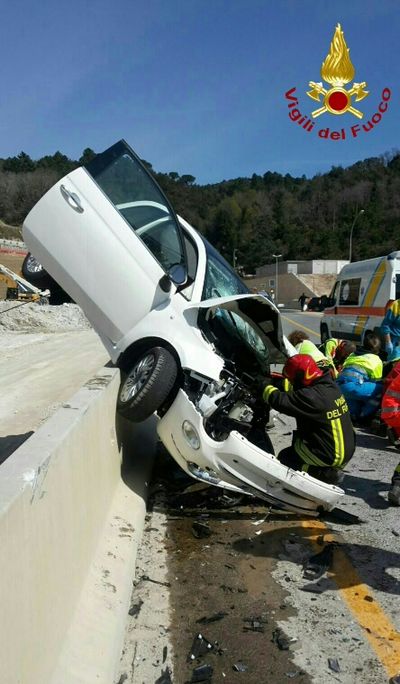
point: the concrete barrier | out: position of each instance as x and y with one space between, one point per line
69 529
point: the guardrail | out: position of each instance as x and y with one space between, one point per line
66 567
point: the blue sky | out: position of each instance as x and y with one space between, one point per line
195 86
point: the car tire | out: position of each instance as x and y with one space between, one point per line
324 333
147 385
32 270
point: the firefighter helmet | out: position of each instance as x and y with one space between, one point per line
301 370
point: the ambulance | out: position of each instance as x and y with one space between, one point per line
360 297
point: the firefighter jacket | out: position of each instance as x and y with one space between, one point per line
361 367
391 322
390 411
324 435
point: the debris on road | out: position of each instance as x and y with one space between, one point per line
255 623
200 530
200 647
213 618
146 578
240 667
134 610
318 564
165 677
280 639
202 673
334 664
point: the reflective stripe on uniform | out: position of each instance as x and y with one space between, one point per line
306 455
390 409
392 393
337 432
397 469
268 391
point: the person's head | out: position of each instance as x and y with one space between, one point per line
344 349
297 336
372 343
301 370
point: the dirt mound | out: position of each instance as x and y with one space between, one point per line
35 318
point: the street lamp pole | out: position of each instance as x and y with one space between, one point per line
351 232
276 257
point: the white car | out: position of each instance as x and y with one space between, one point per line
173 315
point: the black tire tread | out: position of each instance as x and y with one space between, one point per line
153 395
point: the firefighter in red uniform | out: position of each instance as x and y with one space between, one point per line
390 414
324 440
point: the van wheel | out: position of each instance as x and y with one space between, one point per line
324 333
147 384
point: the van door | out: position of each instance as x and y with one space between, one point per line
108 235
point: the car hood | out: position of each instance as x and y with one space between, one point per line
255 319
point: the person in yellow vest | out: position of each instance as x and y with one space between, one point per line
361 379
337 350
303 345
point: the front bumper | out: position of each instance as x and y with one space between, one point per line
239 465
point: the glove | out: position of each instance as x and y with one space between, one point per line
259 386
389 347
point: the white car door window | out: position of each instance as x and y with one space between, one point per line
135 194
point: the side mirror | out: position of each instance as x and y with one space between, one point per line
178 274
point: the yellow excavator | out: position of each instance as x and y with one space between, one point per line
19 289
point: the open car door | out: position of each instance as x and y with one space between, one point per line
108 235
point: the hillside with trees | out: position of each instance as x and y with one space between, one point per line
298 217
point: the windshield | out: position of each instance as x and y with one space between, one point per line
220 279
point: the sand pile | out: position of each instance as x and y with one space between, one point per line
37 318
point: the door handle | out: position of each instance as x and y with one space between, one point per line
72 199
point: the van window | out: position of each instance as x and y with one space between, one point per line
349 291
398 286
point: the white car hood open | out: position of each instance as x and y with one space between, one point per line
261 316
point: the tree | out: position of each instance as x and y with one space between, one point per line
87 155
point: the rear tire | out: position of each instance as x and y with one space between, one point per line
147 385
33 271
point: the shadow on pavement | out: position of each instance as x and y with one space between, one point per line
373 564
10 443
370 490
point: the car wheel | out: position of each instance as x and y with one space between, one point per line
147 384
32 270
324 333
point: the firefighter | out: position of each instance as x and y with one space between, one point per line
390 414
337 350
390 326
324 440
360 379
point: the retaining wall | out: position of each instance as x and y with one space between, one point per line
65 565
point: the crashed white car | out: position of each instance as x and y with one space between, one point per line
187 334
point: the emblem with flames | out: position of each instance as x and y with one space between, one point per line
337 70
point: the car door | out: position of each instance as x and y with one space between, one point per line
108 235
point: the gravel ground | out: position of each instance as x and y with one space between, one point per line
34 317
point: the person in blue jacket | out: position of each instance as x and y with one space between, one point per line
360 379
390 326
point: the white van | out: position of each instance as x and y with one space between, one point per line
360 296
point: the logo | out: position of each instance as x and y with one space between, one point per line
309 376
337 71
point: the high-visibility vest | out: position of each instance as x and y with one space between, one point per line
330 346
308 347
390 411
369 365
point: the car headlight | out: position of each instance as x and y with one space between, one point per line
191 435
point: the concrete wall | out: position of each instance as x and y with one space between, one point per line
57 492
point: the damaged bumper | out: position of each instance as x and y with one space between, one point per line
239 465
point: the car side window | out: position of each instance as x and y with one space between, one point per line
349 291
135 194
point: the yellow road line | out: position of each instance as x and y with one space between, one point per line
299 325
378 628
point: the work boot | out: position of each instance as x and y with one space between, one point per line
330 475
394 493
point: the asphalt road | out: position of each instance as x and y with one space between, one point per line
307 321
246 579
